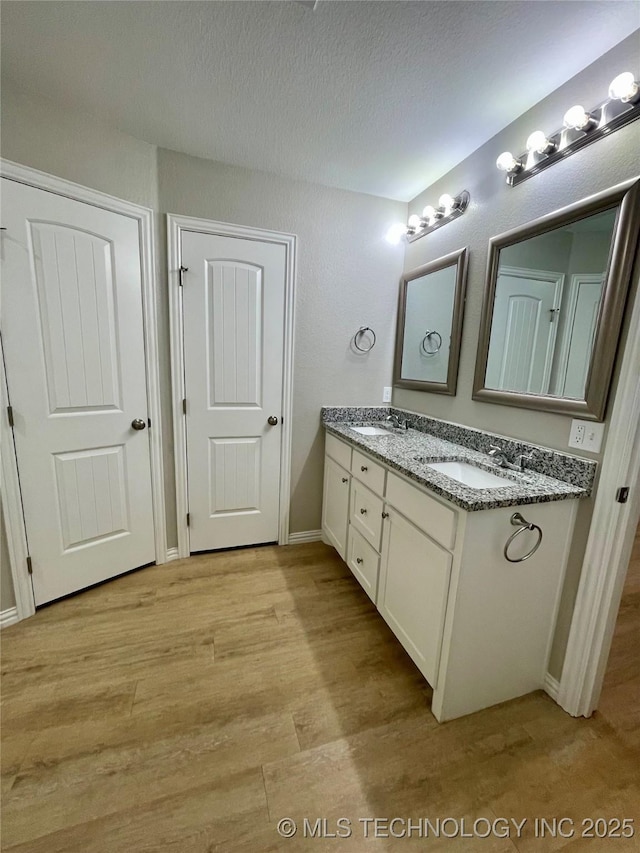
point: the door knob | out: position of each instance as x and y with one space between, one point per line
272 420
138 423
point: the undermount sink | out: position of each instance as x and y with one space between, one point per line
371 430
469 475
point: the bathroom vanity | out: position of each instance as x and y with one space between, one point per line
470 592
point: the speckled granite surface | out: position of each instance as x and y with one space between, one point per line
550 476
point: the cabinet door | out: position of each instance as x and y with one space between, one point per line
414 584
335 505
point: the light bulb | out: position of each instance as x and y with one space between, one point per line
538 143
506 162
396 233
447 203
624 87
430 214
414 222
578 118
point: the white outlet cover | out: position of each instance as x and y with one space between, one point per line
386 394
586 435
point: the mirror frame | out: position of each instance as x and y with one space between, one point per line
626 197
459 260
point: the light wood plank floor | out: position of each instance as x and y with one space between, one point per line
190 707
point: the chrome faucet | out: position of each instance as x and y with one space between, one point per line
399 423
501 457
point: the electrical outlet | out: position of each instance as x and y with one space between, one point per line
386 394
586 435
576 437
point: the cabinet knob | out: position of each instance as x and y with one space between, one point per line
359 560
363 511
385 515
345 479
363 468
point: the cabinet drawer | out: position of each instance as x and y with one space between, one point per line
368 472
366 513
424 511
364 562
338 450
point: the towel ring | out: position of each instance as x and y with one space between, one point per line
522 524
428 335
359 334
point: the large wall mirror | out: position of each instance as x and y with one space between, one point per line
430 313
554 301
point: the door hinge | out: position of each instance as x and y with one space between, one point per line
10 415
622 494
188 519
181 271
149 422
553 312
184 406
29 566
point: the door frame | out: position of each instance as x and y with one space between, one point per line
12 505
611 536
175 226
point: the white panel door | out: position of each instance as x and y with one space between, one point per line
523 332
74 348
233 309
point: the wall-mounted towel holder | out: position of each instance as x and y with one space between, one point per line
358 339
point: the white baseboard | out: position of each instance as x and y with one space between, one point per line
8 617
551 686
305 536
172 554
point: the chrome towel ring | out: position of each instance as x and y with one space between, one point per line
358 335
427 340
522 524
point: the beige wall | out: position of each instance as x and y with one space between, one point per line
496 208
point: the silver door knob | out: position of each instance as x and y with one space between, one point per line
272 420
138 423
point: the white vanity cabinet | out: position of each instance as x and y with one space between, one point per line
335 496
477 626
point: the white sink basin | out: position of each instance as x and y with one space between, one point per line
368 430
469 475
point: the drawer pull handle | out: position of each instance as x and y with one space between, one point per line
385 515
363 511
359 560
345 479
363 468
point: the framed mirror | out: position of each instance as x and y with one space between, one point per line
553 306
430 309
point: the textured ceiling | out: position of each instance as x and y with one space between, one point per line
377 97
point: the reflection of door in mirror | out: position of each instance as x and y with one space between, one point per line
427 328
577 333
524 327
546 307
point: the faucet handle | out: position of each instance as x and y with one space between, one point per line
525 457
494 449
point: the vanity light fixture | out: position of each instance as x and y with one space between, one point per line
581 127
578 118
537 143
450 208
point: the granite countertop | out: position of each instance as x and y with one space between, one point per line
400 448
